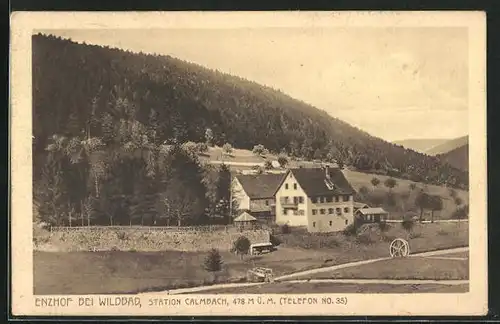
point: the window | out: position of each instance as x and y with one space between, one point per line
284 211
315 211
329 199
346 222
330 210
322 199
316 200
286 185
295 200
301 212
314 224
339 211
267 202
330 223
322 211
285 199
336 198
346 198
295 186
301 200
346 210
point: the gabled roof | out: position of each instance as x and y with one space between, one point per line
372 211
260 186
312 181
245 217
360 205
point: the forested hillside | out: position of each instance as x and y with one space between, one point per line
109 128
458 157
79 88
449 146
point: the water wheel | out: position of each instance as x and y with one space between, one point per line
399 248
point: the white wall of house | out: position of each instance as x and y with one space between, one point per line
240 195
309 213
293 217
330 216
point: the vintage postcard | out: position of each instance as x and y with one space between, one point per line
248 163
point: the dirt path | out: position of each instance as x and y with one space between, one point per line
335 267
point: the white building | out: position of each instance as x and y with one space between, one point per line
320 199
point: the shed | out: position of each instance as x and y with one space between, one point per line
360 205
245 221
372 215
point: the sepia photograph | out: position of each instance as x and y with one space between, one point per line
254 167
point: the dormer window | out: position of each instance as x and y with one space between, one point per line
329 184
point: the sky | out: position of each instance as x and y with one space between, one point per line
394 83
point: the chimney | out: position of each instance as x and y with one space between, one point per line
327 171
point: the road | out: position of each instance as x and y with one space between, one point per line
335 267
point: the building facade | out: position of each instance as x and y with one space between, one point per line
254 193
321 199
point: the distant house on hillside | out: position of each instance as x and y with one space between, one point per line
320 199
255 194
372 215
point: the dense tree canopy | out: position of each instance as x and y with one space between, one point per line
75 85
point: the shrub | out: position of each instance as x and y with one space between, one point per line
285 229
268 165
227 148
242 246
350 230
258 149
364 239
201 148
383 226
213 262
282 160
328 242
275 241
408 224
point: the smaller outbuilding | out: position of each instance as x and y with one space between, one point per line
245 221
372 214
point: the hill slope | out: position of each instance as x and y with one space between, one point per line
459 157
421 145
81 89
449 146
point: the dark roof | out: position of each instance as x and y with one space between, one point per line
312 181
259 186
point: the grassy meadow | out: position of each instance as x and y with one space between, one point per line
339 288
132 272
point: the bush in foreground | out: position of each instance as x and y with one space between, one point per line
242 246
213 263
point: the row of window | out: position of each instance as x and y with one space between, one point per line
316 200
329 199
322 211
331 223
294 186
296 200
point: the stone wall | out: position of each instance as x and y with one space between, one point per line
143 240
